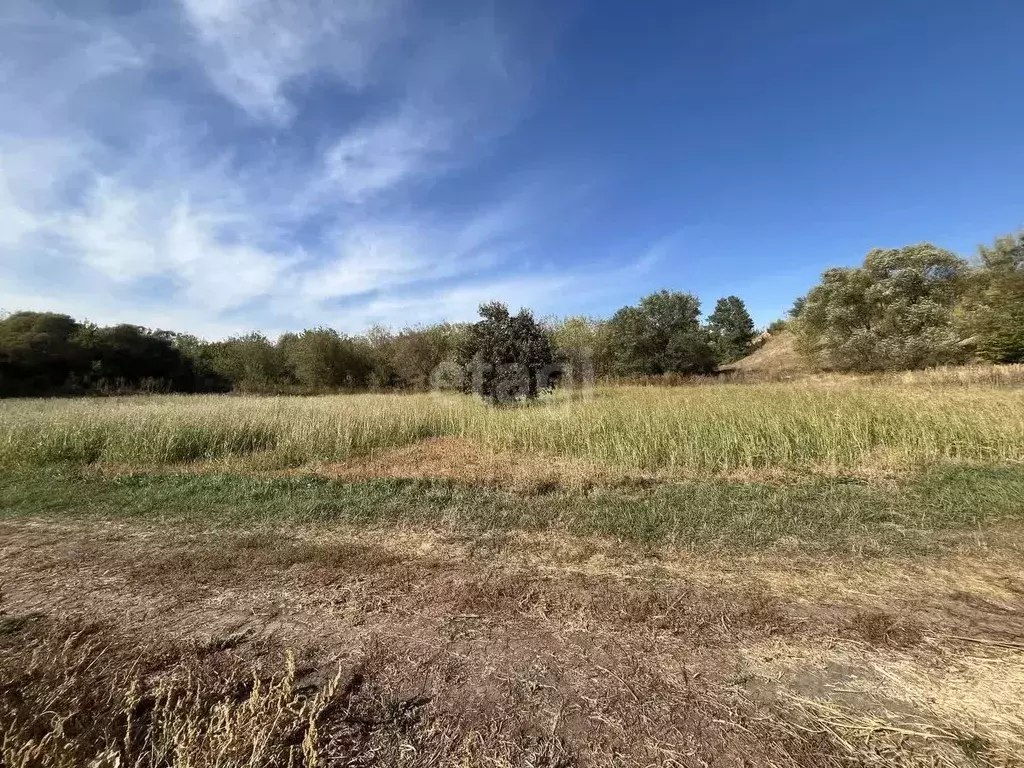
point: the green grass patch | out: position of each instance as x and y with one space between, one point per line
822 512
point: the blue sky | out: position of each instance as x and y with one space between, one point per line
217 166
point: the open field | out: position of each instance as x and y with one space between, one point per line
825 425
824 572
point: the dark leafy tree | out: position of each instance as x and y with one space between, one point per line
48 354
662 334
731 329
39 353
690 353
197 353
507 357
129 357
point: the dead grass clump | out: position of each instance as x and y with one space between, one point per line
882 629
245 558
697 616
700 616
85 698
473 463
929 705
82 697
865 739
74 698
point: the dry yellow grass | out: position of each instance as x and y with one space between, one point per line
943 703
775 358
422 650
831 425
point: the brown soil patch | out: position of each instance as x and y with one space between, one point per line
524 650
474 463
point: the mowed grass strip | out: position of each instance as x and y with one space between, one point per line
824 513
845 426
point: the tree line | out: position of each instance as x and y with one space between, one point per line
904 308
44 353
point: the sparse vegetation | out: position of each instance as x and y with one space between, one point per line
422 650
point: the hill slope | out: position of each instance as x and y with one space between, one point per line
777 357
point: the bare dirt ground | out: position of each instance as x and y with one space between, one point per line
520 650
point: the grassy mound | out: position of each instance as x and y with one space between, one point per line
775 359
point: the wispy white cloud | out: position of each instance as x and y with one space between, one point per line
252 50
371 260
16 222
460 302
112 232
51 59
380 257
549 293
375 158
123 198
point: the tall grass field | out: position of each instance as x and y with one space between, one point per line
842 425
675 559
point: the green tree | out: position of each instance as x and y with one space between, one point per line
379 347
252 363
992 312
419 351
199 357
40 353
46 354
132 357
507 357
894 312
323 359
731 329
662 334
581 343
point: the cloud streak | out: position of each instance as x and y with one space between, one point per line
253 50
179 168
